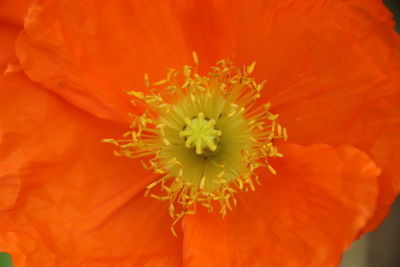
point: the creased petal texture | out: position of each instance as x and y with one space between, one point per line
13 12
11 23
333 76
305 216
65 199
90 52
8 34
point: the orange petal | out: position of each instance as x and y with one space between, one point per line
333 72
13 12
351 97
207 29
306 215
385 151
90 52
65 199
8 35
327 62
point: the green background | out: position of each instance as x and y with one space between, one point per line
5 260
394 5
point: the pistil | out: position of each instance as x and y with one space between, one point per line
200 134
203 136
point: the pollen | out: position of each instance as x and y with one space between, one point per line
203 136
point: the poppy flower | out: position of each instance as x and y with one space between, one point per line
332 75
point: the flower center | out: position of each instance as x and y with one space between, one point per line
200 134
203 136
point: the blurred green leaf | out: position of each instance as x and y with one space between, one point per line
394 6
5 260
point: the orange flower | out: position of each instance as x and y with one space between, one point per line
333 74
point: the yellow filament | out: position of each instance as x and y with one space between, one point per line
205 136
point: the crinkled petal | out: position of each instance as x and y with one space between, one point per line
329 64
13 12
333 75
66 200
8 35
91 51
306 215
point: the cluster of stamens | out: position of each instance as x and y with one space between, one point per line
205 135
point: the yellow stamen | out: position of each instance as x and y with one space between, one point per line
205 136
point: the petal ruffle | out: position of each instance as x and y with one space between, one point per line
8 35
329 64
333 72
306 215
65 199
90 52
352 96
13 12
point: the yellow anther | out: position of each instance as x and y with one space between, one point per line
166 142
214 116
146 80
160 82
272 170
251 67
195 58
